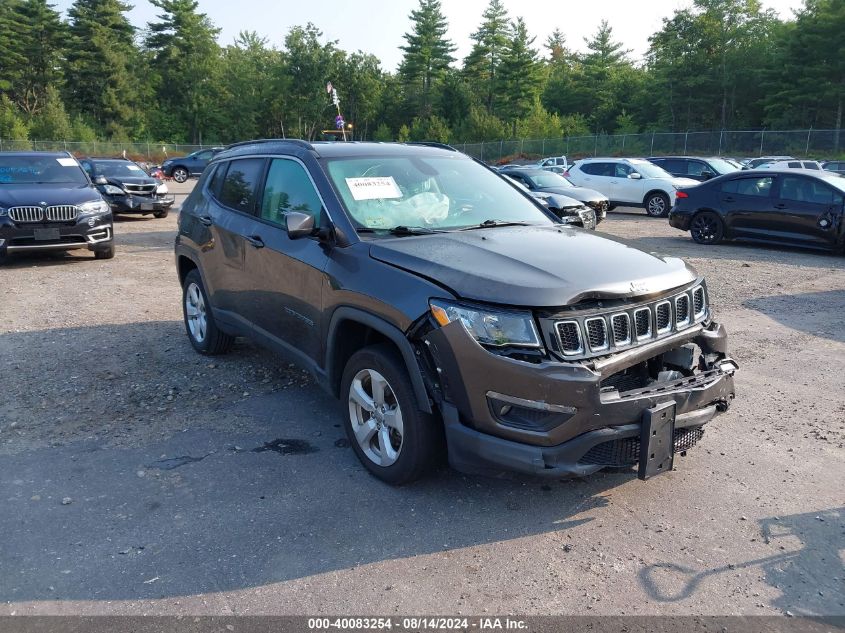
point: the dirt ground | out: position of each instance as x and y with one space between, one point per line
139 477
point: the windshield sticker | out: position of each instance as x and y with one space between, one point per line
373 188
66 162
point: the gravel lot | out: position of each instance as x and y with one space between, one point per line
137 477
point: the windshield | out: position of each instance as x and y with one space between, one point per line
118 168
649 170
381 193
550 179
36 170
722 166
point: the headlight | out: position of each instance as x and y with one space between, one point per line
94 208
112 190
497 329
162 189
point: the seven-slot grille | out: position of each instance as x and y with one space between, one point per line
26 214
597 334
62 213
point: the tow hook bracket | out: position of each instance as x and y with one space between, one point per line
657 440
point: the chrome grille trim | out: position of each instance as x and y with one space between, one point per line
597 334
642 332
592 333
26 214
140 189
62 213
569 335
661 309
620 323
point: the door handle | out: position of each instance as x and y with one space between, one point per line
255 240
206 220
728 199
780 205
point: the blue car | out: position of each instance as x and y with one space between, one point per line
183 167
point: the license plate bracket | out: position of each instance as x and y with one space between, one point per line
657 439
147 206
46 235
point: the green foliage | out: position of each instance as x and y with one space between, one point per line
428 54
12 124
519 74
490 41
52 121
432 128
480 125
404 134
383 133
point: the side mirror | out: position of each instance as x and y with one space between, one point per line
101 180
299 225
707 175
635 176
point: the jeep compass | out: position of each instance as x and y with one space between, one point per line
449 311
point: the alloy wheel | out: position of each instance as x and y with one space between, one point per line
656 206
196 312
376 417
705 229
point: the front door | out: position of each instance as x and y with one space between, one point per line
808 211
749 205
287 275
624 188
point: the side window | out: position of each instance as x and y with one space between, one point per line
289 188
806 190
696 168
519 178
239 187
88 167
206 155
759 187
794 165
215 182
621 170
596 169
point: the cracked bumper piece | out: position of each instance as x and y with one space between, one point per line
561 419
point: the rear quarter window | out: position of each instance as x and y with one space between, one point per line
239 189
759 187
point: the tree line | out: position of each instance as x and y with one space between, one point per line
720 64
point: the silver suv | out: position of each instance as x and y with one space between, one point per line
630 182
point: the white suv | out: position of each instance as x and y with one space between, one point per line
630 182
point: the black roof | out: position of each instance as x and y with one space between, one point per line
334 149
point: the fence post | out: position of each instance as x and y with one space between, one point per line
482 151
501 148
596 145
686 136
762 133
807 150
543 148
623 143
721 132
521 145
652 143
567 146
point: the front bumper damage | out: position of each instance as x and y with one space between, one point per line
91 232
561 419
131 203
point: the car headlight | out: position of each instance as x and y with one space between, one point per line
162 189
492 328
112 190
94 208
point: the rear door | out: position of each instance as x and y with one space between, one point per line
808 211
287 275
749 205
598 176
228 212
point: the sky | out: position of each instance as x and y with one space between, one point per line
378 26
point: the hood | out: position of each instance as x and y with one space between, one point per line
559 201
579 193
46 195
533 266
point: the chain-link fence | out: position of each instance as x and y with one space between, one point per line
737 143
149 152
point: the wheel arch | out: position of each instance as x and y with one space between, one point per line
651 192
352 329
700 210
184 265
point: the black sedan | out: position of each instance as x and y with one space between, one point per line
543 181
694 167
128 188
795 207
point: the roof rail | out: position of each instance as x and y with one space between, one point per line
432 144
292 141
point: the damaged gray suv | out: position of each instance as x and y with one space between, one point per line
450 312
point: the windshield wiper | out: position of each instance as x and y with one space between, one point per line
491 223
400 230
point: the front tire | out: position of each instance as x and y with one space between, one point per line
394 440
160 215
107 253
180 175
707 228
202 330
657 205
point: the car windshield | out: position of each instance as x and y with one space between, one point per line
722 166
550 179
118 168
649 170
36 170
435 192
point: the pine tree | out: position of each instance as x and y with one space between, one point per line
101 65
605 53
186 60
481 66
519 74
13 33
41 40
428 54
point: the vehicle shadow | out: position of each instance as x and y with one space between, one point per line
48 258
149 240
807 568
809 312
253 492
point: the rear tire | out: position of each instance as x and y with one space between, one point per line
657 205
707 228
202 330
394 440
107 253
